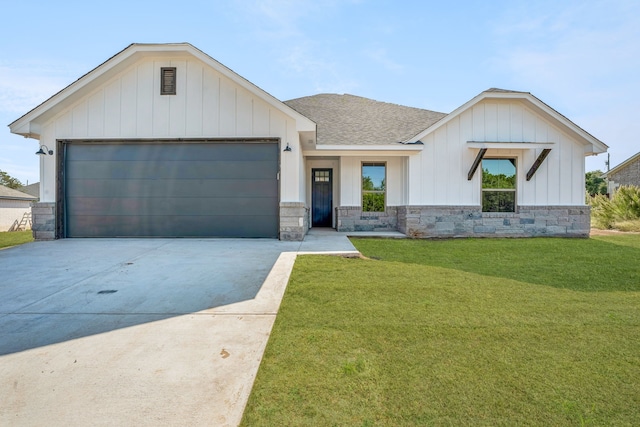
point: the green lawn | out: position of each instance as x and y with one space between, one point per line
457 332
15 238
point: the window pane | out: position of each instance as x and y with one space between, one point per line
499 173
498 201
373 187
499 185
321 176
373 177
373 202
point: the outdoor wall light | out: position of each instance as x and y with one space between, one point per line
287 148
41 152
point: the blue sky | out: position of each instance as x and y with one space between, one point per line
580 57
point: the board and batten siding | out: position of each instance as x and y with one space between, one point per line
438 175
207 104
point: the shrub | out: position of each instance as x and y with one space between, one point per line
626 203
633 225
624 206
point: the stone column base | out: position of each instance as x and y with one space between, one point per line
294 221
43 220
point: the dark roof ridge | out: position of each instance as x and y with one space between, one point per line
497 89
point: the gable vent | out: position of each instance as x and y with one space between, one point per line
168 81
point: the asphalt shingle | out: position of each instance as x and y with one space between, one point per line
348 119
10 193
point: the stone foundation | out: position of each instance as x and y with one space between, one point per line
351 218
470 221
43 216
294 221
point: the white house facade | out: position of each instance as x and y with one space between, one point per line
15 209
162 140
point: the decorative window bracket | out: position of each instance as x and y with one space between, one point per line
537 163
476 163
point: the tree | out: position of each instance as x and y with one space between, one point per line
367 183
9 181
594 183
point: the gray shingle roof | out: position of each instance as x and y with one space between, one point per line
497 89
31 189
348 119
10 193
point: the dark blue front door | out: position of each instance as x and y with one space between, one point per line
321 199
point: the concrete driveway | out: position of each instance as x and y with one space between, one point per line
139 331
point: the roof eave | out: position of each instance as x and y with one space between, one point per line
26 199
593 145
29 124
359 150
623 164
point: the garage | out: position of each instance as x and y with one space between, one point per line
170 189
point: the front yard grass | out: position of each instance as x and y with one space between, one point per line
457 332
15 238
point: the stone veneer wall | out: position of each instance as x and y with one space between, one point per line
294 221
351 218
43 216
470 221
629 175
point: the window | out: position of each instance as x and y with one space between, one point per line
374 185
168 81
321 176
499 185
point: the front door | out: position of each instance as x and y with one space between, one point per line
322 198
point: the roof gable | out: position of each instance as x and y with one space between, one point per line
623 165
29 125
595 146
11 194
354 120
31 189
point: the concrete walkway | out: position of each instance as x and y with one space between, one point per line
140 331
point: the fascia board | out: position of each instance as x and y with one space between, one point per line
303 123
48 107
597 146
383 147
122 59
363 150
623 164
446 119
27 199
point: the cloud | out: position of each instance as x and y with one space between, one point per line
281 19
24 85
286 29
326 75
381 56
578 50
583 59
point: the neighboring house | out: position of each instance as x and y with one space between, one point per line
162 140
15 209
31 189
626 173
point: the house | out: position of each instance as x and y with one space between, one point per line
163 140
626 173
15 209
31 189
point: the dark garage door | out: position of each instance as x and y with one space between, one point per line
222 189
